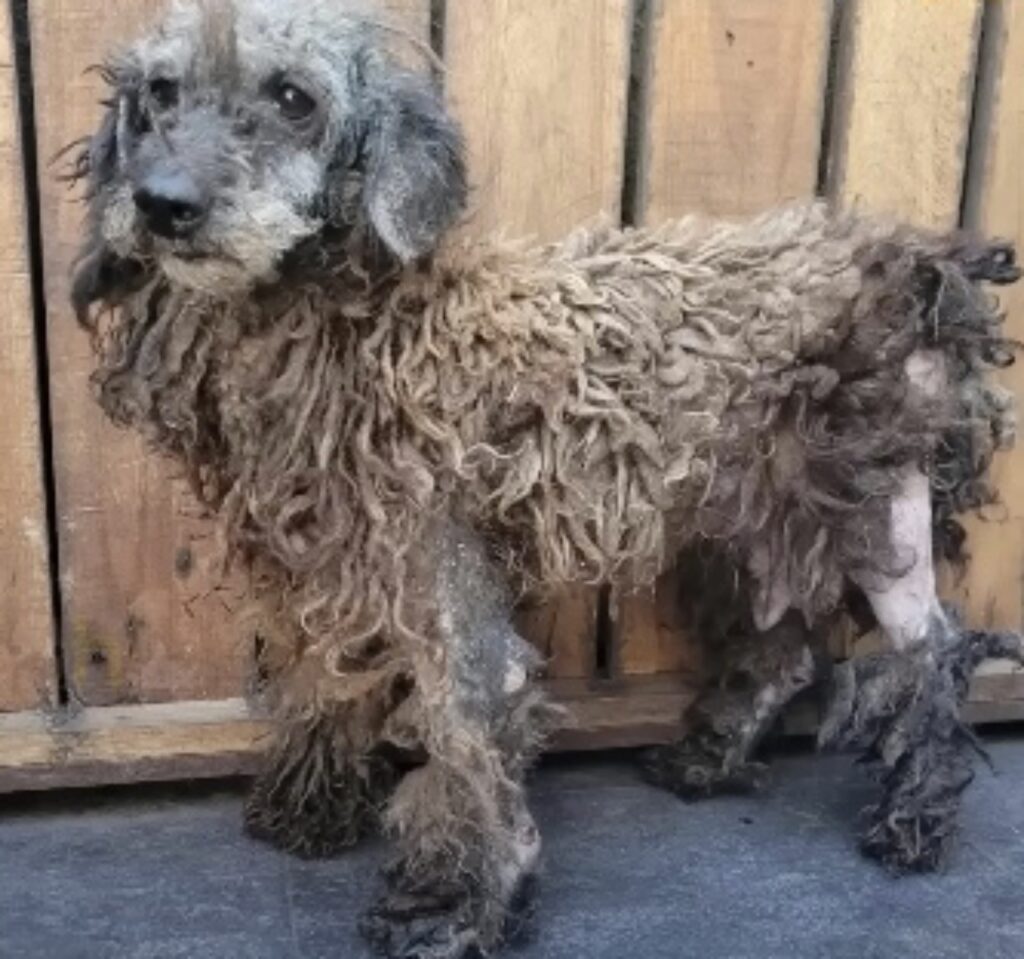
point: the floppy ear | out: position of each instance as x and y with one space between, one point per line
415 172
98 272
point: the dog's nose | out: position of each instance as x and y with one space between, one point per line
172 203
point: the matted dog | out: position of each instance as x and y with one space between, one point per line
401 432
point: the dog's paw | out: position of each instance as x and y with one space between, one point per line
317 828
315 817
693 772
905 842
914 827
427 925
444 920
903 710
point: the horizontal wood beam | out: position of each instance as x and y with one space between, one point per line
106 745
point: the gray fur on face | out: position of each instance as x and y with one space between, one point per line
274 122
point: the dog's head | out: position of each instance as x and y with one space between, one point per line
241 130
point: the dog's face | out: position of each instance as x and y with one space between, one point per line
239 130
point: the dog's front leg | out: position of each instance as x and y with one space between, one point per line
467 844
903 706
324 779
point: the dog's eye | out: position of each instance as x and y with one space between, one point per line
163 93
294 104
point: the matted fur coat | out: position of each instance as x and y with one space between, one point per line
591 407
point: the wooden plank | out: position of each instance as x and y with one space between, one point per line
992 590
411 15
996 696
736 100
143 620
564 631
540 90
163 741
903 109
106 745
130 630
648 636
169 741
901 121
27 676
907 91
734 111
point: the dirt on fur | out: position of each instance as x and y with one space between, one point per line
902 709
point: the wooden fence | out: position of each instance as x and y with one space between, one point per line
120 657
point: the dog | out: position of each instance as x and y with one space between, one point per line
402 431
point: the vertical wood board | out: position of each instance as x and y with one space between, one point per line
904 91
133 627
736 100
992 590
145 618
27 676
540 90
903 110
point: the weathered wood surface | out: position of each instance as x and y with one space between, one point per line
992 590
540 91
145 616
732 110
27 676
903 108
137 624
196 740
110 744
735 101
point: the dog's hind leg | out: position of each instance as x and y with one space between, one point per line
761 672
903 706
467 844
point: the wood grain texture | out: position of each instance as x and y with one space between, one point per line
735 104
736 96
648 635
908 92
166 741
195 740
903 111
540 89
564 630
992 590
133 628
902 118
27 676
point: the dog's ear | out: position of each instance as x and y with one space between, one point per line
98 272
415 171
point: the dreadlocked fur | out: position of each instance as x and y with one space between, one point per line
401 432
591 407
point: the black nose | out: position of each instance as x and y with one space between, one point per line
172 203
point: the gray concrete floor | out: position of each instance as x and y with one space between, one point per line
630 872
